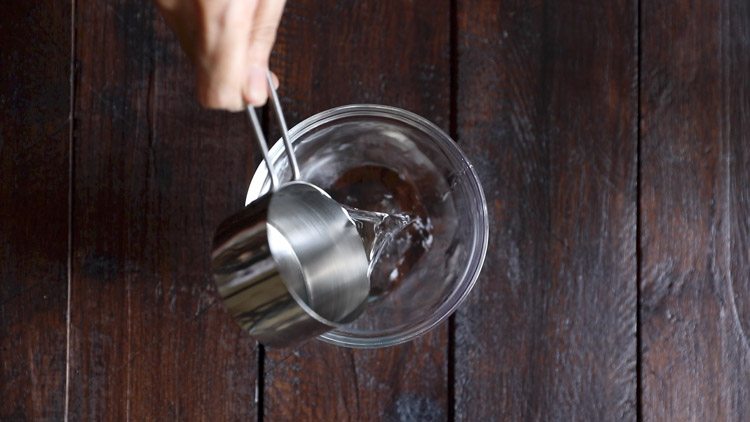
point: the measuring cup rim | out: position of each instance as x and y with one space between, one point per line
300 302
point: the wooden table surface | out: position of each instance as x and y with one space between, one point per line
611 139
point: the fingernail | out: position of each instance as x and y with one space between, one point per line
258 90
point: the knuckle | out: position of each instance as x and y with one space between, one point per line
219 98
263 35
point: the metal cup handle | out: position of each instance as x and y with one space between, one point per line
284 134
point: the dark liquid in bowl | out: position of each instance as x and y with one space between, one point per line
380 189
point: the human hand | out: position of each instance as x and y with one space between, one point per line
229 42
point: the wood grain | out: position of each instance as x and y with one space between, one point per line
547 109
695 97
545 97
34 139
335 53
154 174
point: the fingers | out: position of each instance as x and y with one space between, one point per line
262 37
232 49
222 64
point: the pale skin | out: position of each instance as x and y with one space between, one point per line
229 42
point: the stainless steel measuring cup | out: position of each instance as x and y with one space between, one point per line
290 265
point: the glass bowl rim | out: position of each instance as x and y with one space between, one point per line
476 257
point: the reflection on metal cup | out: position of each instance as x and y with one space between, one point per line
291 265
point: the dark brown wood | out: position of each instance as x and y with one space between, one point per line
544 99
547 107
34 139
154 175
341 52
695 313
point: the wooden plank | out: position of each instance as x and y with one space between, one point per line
695 98
154 175
34 143
547 107
334 53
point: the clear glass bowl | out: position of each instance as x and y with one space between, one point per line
389 160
